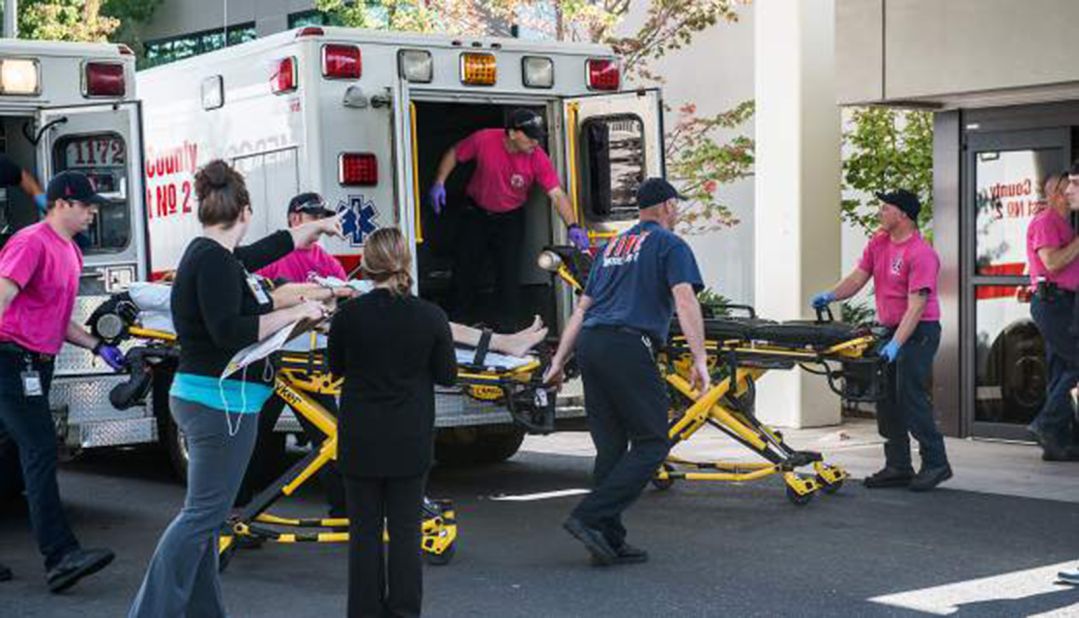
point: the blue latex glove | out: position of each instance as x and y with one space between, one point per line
438 197
41 202
112 356
578 237
822 300
891 350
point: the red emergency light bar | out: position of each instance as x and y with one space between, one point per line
284 78
103 79
357 169
310 31
341 61
604 74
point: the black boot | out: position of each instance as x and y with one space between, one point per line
889 477
76 565
928 478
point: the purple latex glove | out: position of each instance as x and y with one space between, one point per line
112 356
578 237
438 197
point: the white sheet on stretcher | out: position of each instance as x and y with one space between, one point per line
155 313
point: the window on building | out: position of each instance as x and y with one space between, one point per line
163 51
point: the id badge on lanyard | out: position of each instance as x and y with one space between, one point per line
261 297
31 382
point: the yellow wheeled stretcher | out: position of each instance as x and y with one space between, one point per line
741 349
301 374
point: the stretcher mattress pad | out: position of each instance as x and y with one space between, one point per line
792 333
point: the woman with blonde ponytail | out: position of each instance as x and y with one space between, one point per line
391 348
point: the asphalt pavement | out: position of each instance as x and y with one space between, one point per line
717 550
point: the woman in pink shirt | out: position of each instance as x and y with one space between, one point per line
904 269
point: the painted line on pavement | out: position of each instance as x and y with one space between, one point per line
950 598
544 495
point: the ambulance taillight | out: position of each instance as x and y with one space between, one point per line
478 69
415 65
284 78
103 79
341 61
537 72
604 74
19 76
357 169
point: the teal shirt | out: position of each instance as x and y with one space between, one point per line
231 396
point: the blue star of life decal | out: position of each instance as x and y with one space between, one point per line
358 218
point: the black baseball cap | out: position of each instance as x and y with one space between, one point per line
655 191
74 187
528 122
904 200
310 203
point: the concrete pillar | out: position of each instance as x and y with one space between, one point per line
796 214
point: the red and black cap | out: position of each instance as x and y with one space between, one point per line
73 187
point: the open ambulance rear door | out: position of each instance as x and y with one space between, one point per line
613 142
104 142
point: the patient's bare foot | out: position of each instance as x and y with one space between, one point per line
519 343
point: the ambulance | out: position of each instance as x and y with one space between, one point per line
363 117
72 106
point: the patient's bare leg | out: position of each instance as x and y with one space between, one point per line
515 344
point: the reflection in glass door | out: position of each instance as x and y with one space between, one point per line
1004 190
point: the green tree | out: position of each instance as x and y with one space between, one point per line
65 20
696 160
886 149
82 20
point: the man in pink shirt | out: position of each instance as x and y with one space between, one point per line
904 270
1052 249
508 162
297 266
39 279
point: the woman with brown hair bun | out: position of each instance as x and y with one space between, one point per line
218 309
391 348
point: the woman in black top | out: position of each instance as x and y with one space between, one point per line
218 309
391 348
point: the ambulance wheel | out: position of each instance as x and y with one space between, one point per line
829 488
798 499
664 484
441 559
466 446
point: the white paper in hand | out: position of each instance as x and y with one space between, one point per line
258 351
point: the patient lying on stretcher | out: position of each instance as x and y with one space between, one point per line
152 302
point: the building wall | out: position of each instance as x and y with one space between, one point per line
176 17
950 51
716 73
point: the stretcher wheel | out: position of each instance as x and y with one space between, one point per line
829 488
797 498
441 559
664 484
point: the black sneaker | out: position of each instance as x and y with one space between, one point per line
5 573
928 478
1052 449
889 477
1069 577
75 566
594 541
628 554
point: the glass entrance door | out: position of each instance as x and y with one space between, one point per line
1005 366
